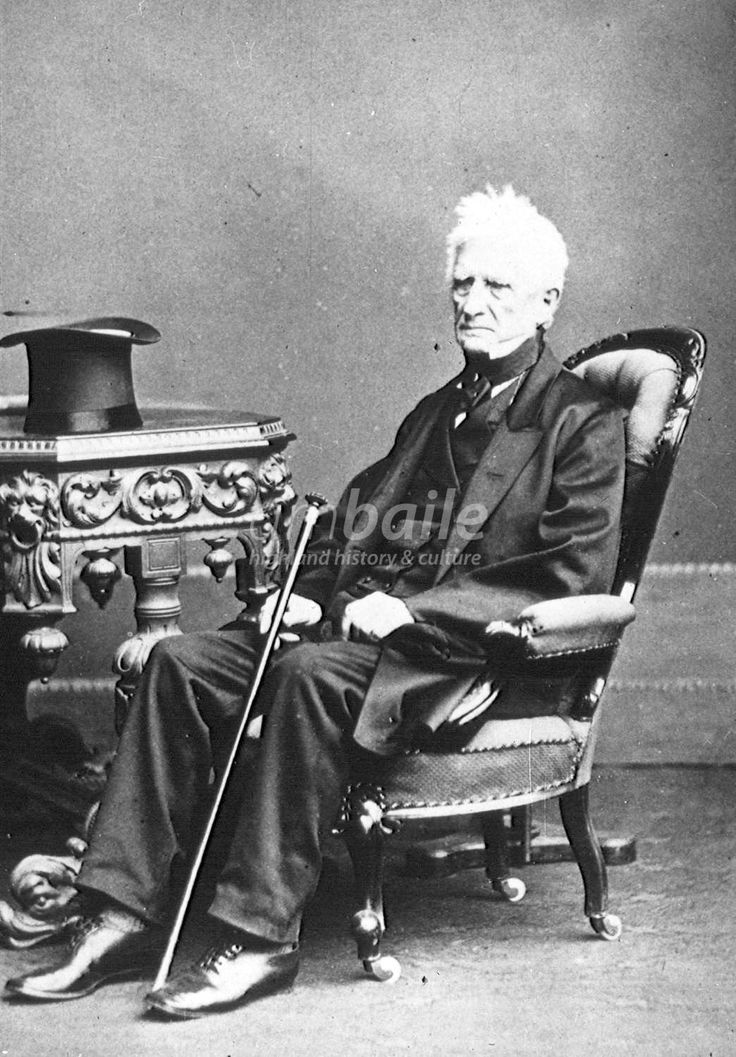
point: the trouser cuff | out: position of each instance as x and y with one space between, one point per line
223 911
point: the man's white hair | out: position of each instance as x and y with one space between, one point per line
529 242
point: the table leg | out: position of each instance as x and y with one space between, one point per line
156 566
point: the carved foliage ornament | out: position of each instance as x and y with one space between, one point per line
88 500
167 495
156 496
274 481
29 509
273 547
230 490
43 887
161 495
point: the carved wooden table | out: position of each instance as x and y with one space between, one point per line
91 502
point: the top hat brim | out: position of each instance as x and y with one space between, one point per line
121 327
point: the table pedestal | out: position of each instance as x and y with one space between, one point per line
103 504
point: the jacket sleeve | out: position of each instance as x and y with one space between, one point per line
572 550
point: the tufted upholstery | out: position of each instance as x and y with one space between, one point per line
645 383
506 757
561 627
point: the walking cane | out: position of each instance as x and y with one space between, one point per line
316 502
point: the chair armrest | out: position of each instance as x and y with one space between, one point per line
564 626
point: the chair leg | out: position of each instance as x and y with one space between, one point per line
498 873
575 812
364 830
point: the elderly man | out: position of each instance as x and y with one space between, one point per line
502 488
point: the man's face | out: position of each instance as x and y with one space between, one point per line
496 309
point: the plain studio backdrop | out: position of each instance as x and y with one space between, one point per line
270 184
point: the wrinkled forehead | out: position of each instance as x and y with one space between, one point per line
499 258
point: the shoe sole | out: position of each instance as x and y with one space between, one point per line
267 987
20 991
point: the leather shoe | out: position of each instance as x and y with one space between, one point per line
98 952
227 975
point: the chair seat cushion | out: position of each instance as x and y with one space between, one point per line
506 757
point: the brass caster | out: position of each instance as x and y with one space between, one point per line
367 929
385 968
512 889
607 926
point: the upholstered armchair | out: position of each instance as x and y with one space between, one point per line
483 768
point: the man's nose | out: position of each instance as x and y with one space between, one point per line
475 300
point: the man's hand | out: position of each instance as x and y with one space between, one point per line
374 617
299 611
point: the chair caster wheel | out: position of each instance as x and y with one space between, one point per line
386 969
512 889
607 926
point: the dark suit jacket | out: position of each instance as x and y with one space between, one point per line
550 484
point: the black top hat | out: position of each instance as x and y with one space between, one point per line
80 376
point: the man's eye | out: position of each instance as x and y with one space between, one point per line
461 286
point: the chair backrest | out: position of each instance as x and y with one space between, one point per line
655 375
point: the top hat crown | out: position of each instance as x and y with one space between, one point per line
80 376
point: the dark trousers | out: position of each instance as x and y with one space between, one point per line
180 726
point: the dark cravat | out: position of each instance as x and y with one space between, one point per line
469 439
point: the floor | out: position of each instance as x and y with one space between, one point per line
480 977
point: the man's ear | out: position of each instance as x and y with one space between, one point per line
550 299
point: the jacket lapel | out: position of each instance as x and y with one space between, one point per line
510 449
392 489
